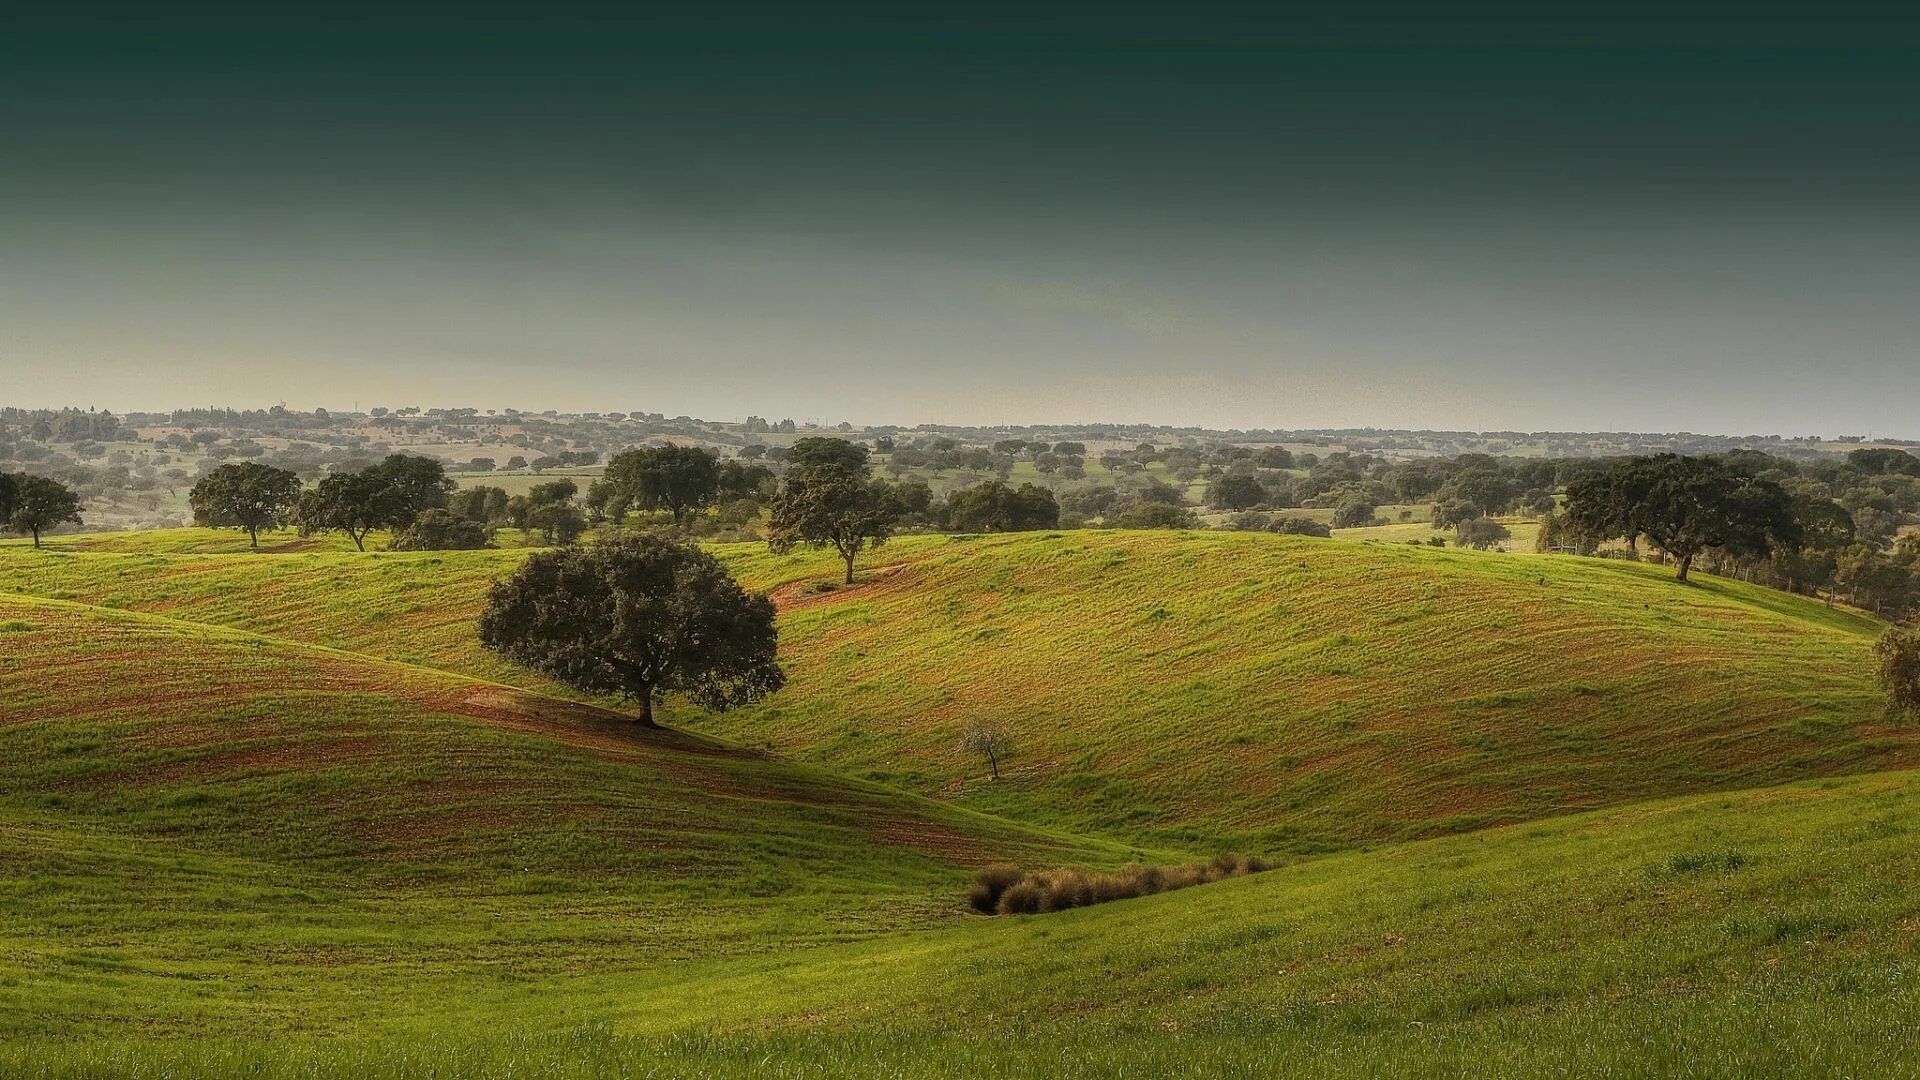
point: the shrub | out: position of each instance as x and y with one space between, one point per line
1899 659
1008 890
1299 526
989 884
441 530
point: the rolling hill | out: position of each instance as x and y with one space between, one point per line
206 828
1580 820
1194 691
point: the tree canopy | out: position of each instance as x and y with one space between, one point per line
825 450
638 617
1684 505
244 495
35 504
995 507
827 504
673 478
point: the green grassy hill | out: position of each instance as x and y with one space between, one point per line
1764 933
287 794
1259 692
207 829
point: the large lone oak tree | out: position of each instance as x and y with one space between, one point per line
638 617
1684 505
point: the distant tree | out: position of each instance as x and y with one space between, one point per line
1685 505
353 503
9 488
639 617
995 507
674 478
482 464
1898 653
441 530
1481 534
1881 461
1155 515
244 495
821 450
480 503
737 481
1353 512
40 503
753 452
1237 493
1274 457
415 485
826 504
990 741
1300 526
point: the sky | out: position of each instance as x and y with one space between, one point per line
1457 222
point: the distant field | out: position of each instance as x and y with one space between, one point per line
1252 691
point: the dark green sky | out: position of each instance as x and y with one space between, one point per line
1398 221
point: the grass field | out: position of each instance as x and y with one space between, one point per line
383 823
1535 816
1268 693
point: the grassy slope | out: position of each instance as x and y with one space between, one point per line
1769 932
1197 690
204 829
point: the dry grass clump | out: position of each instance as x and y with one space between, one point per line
1009 890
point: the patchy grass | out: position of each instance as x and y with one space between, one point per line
1201 692
1559 948
206 830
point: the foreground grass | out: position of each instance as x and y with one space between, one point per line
1758 933
206 830
1196 691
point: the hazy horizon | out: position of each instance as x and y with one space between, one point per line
1413 223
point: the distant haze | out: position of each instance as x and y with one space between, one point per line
1466 224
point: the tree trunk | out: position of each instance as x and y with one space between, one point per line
646 709
253 536
850 557
359 540
36 538
993 763
1686 564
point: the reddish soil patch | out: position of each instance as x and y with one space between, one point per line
936 840
798 595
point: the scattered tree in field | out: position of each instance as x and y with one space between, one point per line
996 507
673 478
39 503
1899 656
1155 515
639 617
1685 505
441 530
825 504
245 495
1355 511
821 450
989 741
352 503
1237 493
414 486
1300 526
1481 534
481 503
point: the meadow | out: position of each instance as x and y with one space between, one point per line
278 814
